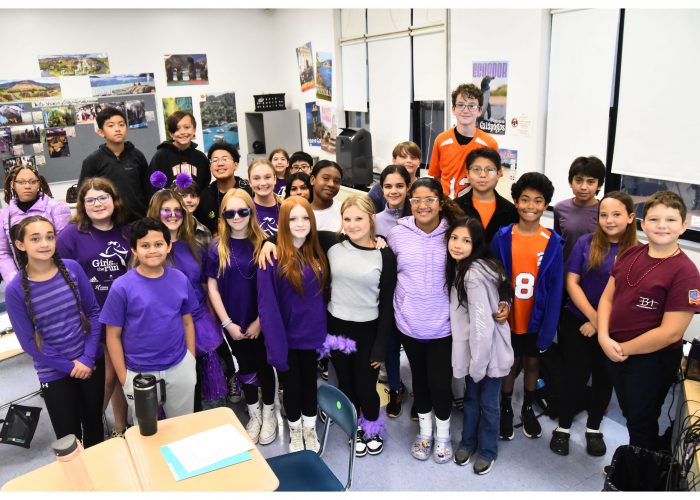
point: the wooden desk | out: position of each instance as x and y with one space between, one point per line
253 475
6 351
108 464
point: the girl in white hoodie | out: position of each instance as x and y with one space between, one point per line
481 350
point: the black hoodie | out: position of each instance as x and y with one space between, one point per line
126 171
172 161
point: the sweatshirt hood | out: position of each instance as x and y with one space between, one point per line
410 223
169 146
482 271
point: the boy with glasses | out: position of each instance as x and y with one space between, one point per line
483 202
119 161
452 146
300 162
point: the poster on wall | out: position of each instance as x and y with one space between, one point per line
120 105
139 83
85 114
27 134
5 141
60 116
219 119
509 160
186 69
136 114
74 64
305 61
172 104
492 78
324 76
12 114
57 142
314 129
15 161
29 90
330 129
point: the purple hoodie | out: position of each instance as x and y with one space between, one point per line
421 302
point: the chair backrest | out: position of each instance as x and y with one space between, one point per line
339 409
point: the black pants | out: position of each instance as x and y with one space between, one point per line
641 384
583 358
431 372
252 359
75 406
299 384
356 378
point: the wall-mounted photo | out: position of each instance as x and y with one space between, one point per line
5 141
141 83
186 69
324 76
136 114
60 116
27 134
115 104
305 62
16 161
11 114
492 78
219 119
57 142
74 64
85 114
314 128
29 90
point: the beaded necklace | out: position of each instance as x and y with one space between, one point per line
235 261
629 270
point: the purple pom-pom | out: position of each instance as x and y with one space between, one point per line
158 179
183 180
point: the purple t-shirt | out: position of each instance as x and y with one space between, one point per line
238 284
150 310
103 255
188 265
280 184
572 221
592 281
267 218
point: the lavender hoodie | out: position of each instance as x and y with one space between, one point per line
480 346
421 303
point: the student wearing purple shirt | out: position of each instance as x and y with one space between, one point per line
98 240
588 271
280 162
232 283
267 205
148 314
190 258
54 313
292 309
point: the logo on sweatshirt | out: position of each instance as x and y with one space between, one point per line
648 303
115 250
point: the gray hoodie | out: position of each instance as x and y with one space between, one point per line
480 346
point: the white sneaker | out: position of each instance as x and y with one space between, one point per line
296 439
268 432
311 439
255 423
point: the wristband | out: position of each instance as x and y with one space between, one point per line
226 323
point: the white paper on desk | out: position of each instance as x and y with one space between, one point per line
208 447
9 343
5 321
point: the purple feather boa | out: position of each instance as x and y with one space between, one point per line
336 343
212 376
373 428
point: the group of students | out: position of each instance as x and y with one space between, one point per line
232 268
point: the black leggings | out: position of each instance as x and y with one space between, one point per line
75 406
583 358
431 372
356 378
252 359
226 357
299 384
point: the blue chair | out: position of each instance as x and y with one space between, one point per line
305 470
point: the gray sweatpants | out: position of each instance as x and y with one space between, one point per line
179 387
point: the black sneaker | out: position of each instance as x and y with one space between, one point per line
531 427
360 443
559 443
323 368
506 432
462 456
393 408
483 466
414 413
595 446
375 445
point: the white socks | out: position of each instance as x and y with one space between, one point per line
442 429
561 429
308 421
595 431
425 423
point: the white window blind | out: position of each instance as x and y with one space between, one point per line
354 59
429 67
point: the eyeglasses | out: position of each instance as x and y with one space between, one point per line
299 168
103 198
490 172
471 107
167 213
223 159
241 212
31 182
428 201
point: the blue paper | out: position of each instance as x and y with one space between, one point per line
180 473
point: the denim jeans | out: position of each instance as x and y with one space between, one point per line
482 416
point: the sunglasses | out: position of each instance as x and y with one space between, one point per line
241 212
177 212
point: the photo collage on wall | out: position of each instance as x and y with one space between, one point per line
316 74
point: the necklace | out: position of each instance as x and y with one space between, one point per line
629 270
235 260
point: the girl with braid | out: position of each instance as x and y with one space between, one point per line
54 313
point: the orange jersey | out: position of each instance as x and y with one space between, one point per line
486 210
449 157
526 252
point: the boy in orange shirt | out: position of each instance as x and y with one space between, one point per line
447 163
533 256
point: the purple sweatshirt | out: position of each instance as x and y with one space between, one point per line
288 320
57 321
386 220
420 286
